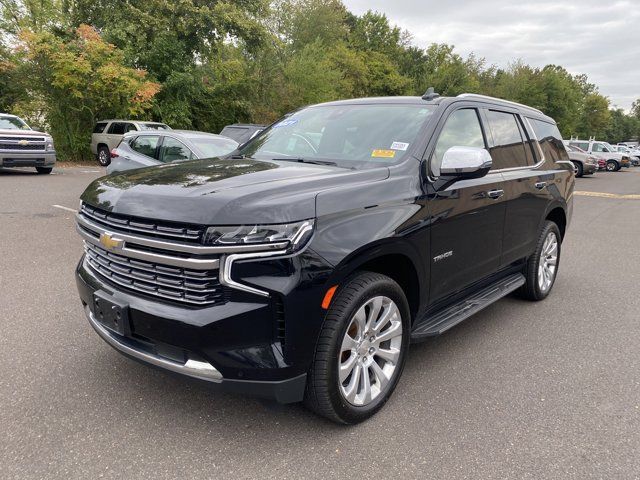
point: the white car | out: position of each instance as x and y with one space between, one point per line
632 152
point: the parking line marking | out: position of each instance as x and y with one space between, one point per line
608 195
65 208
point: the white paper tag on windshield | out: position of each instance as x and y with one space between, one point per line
399 146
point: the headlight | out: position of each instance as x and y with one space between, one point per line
49 146
292 236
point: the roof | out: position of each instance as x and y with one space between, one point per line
436 101
129 121
177 133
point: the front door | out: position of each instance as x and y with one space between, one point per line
467 216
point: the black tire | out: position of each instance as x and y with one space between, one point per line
532 290
579 171
44 170
104 156
323 395
612 166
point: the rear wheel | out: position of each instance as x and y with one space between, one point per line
542 267
44 170
104 156
577 169
361 350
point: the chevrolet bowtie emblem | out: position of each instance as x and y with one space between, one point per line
109 242
23 142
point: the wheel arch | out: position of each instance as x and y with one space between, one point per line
397 262
558 215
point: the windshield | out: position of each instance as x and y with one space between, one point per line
352 136
12 123
214 147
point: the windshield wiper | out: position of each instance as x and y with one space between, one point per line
241 157
305 160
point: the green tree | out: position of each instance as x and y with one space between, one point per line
80 80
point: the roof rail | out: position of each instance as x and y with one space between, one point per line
486 97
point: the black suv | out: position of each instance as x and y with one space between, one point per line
302 266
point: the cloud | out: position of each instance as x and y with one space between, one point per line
600 39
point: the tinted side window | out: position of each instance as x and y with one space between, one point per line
550 140
583 145
116 128
146 145
509 149
462 129
130 127
99 128
172 150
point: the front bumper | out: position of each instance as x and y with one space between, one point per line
27 159
242 346
589 168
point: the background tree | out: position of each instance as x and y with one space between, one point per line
204 64
77 79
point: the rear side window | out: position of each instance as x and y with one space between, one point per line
99 128
550 140
172 150
582 145
117 128
509 149
462 129
145 145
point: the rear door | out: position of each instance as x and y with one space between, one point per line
467 216
141 151
531 149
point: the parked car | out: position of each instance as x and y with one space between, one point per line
147 148
301 267
615 160
21 146
108 133
242 132
632 153
583 163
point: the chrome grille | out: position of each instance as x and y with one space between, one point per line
28 139
16 146
198 287
125 223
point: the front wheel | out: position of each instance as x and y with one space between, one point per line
542 267
612 166
361 349
577 169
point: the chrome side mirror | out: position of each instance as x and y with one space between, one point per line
465 162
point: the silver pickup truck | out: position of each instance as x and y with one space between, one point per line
20 146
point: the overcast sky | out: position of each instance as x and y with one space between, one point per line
596 37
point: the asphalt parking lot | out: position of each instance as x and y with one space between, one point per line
521 390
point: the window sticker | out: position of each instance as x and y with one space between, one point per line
383 153
286 123
399 146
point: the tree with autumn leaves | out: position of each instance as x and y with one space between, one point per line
73 81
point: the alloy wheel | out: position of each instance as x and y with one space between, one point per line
548 263
370 351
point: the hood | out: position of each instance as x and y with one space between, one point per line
22 133
223 192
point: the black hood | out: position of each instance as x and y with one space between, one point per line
222 192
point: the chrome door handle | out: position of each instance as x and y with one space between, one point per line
495 194
541 185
